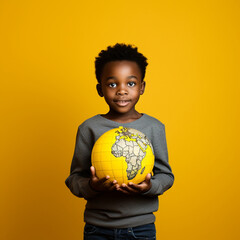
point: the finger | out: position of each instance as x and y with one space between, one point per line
148 181
103 180
114 187
120 189
94 176
143 186
133 185
114 182
117 186
148 178
93 171
128 188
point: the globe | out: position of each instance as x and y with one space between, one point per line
125 154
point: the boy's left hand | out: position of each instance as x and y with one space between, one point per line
132 188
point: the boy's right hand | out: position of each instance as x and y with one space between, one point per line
101 185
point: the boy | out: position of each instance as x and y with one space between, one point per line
113 211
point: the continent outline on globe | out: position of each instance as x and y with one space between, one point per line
132 145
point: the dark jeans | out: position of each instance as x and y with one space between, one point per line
147 231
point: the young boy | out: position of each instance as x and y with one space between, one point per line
113 211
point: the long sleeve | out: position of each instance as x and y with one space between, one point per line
163 177
78 181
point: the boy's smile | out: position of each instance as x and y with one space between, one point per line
121 86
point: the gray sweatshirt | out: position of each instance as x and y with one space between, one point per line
115 209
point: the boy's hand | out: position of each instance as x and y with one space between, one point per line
132 188
101 185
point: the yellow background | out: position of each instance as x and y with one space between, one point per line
47 52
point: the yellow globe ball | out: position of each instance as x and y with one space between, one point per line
125 154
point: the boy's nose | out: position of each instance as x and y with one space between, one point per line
122 90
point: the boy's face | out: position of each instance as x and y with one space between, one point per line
121 86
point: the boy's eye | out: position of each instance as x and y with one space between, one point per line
131 84
112 85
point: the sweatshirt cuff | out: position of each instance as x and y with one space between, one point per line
80 187
88 191
153 190
160 185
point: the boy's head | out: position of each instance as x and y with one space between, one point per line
120 71
120 52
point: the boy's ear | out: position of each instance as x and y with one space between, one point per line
143 85
99 90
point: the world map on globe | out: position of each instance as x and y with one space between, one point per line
132 145
124 154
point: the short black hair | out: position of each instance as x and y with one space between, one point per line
119 52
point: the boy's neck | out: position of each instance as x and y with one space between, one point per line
122 118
